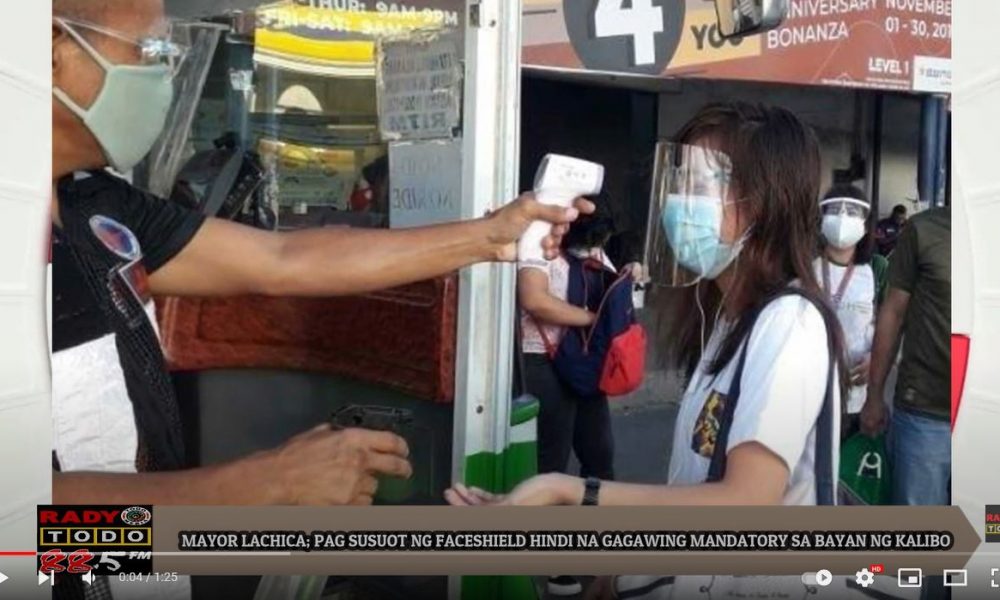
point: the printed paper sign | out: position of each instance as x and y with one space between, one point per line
425 183
419 88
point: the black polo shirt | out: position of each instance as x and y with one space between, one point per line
88 302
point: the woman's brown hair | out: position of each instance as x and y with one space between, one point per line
776 171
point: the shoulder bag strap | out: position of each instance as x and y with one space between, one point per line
824 424
836 297
824 473
550 348
520 376
717 468
600 309
223 184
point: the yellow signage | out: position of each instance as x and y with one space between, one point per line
341 36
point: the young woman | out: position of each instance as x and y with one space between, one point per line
743 246
845 271
739 214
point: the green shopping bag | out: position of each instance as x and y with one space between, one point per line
865 478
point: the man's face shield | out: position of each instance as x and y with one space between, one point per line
164 161
691 188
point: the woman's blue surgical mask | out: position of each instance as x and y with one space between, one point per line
693 226
684 243
131 109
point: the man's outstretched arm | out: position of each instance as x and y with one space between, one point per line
319 467
225 258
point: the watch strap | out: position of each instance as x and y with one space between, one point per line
591 491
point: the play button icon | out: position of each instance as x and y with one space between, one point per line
3 578
820 578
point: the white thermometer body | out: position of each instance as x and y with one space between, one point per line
559 180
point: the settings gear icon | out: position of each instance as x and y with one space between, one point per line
865 578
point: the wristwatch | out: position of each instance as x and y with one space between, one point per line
591 490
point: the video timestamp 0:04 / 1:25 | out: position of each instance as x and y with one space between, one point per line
148 577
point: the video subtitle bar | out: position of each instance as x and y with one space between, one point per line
601 540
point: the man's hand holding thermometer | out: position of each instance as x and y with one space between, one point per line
559 184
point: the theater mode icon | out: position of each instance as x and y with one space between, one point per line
956 578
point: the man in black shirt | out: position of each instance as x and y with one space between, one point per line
116 246
888 229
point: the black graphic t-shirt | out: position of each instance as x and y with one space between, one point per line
99 294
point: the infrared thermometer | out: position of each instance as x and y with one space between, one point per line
559 180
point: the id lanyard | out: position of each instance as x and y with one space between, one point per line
842 288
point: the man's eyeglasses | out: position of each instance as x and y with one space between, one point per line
153 50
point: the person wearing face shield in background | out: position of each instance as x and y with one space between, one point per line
734 223
845 271
117 433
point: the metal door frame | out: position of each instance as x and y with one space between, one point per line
484 366
489 180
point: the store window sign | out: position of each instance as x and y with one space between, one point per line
425 183
432 13
338 37
316 22
419 87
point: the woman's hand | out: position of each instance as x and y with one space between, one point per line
460 495
637 271
859 374
549 489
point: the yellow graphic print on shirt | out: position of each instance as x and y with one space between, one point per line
706 428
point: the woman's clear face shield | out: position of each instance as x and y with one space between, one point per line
691 189
847 207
